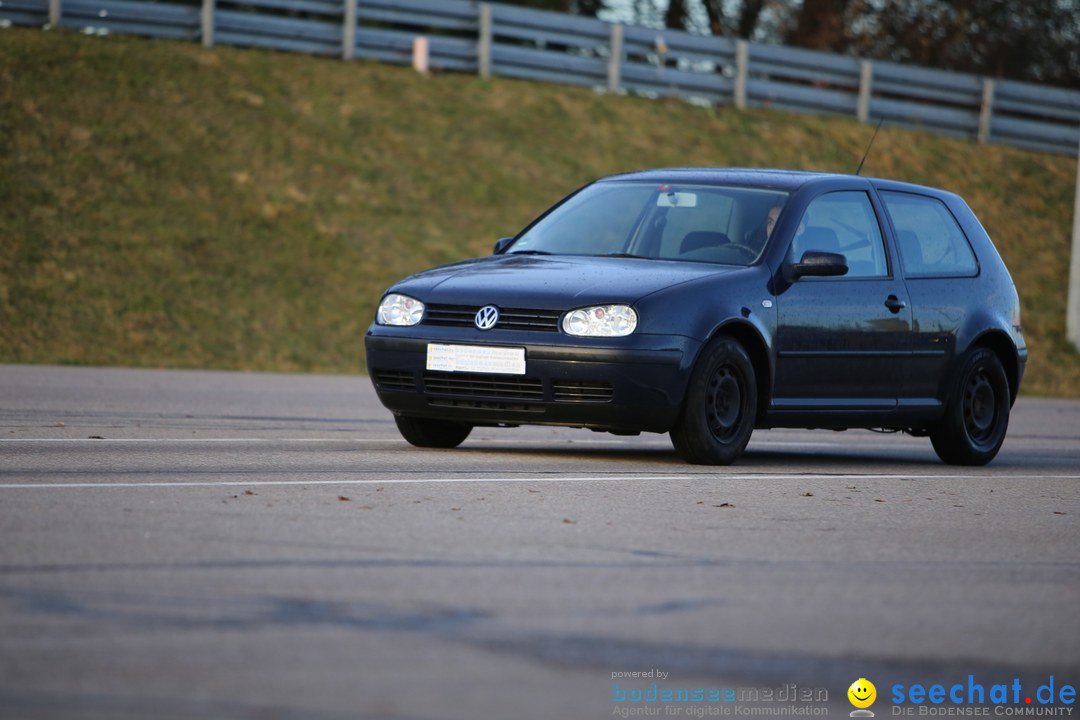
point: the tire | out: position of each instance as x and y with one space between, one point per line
976 413
720 409
427 433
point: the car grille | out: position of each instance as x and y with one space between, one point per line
499 405
491 391
506 387
582 391
509 387
401 380
509 318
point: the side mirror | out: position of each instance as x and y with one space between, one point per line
815 263
501 244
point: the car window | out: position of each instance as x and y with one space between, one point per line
843 222
709 217
688 222
930 240
596 221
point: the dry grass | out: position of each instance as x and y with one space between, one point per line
166 205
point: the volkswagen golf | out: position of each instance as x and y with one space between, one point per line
705 303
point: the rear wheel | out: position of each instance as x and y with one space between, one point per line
976 414
428 433
720 408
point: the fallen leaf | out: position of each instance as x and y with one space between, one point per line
342 498
808 494
568 521
725 505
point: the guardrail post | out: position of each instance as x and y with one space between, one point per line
986 111
421 55
483 46
866 80
54 13
742 70
348 31
614 68
208 23
1072 308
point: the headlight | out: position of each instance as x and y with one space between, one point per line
600 321
399 310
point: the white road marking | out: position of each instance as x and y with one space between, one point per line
192 440
531 479
560 442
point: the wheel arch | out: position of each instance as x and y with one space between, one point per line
1001 345
754 343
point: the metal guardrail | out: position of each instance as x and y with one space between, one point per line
510 41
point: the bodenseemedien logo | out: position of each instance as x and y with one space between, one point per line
862 695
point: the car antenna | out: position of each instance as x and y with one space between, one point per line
869 145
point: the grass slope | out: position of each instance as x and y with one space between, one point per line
166 205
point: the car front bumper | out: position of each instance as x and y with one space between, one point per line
627 384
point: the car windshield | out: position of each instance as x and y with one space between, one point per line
688 222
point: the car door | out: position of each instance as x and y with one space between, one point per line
941 275
841 341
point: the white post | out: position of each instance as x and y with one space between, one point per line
866 79
483 47
54 13
1072 309
614 68
348 31
420 54
742 69
208 23
987 110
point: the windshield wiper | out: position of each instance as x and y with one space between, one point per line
625 255
528 252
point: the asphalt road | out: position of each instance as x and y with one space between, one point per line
218 545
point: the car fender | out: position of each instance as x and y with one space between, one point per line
986 328
739 305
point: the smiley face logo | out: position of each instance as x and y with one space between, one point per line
862 693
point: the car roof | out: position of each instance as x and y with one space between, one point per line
772 178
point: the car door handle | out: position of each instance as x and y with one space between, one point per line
895 304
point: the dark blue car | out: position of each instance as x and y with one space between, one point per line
705 303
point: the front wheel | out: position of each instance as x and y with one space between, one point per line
428 433
976 413
720 409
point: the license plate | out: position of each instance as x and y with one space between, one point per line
476 359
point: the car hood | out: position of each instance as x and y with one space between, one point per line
556 282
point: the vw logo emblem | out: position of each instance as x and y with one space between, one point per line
486 317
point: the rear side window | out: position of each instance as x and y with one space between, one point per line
930 240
